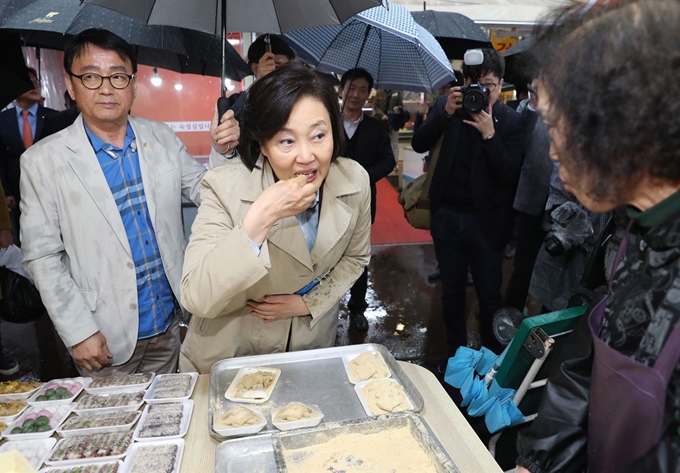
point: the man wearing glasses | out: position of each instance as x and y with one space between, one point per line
20 127
102 218
471 196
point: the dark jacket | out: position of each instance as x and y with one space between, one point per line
534 179
370 146
494 171
10 138
59 121
643 286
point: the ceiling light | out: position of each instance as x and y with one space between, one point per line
178 87
156 79
233 41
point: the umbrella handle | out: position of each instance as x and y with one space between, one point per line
222 107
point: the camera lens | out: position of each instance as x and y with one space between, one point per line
554 247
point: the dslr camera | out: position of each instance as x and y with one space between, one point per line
475 95
570 227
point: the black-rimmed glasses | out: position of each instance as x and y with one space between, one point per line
92 81
490 87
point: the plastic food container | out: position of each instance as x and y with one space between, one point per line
55 414
145 449
360 386
65 432
76 386
297 424
187 410
18 396
109 467
11 418
85 446
35 451
347 358
151 398
119 384
246 430
109 409
257 397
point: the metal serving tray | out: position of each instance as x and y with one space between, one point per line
263 453
301 375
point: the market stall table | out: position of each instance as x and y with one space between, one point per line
453 431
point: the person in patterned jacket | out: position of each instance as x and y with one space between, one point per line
613 402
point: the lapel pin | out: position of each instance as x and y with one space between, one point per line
144 144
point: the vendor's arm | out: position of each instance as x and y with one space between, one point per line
557 440
43 250
209 287
356 257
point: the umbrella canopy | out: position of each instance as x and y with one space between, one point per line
49 24
518 67
455 32
387 42
272 16
15 79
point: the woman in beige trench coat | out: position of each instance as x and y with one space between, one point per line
295 216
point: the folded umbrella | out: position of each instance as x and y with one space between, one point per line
502 411
387 42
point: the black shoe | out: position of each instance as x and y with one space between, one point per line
8 366
358 322
434 275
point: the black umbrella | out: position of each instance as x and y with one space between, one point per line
518 64
49 23
15 79
455 32
219 16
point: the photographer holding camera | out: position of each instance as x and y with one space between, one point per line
472 190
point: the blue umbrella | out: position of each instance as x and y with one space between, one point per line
387 42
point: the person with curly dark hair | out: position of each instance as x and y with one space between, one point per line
612 105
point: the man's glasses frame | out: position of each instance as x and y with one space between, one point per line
89 79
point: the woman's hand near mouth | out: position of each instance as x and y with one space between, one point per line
283 199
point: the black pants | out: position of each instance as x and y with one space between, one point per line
459 243
530 236
357 294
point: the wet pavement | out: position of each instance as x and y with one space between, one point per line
404 314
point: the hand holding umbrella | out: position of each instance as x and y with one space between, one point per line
225 132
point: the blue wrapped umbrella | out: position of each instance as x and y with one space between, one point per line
387 42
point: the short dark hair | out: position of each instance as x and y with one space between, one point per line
102 39
605 71
278 44
493 63
270 101
357 73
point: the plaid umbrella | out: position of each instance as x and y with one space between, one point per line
387 42
455 32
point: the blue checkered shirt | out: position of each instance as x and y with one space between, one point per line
123 174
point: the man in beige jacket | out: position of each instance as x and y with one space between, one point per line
102 217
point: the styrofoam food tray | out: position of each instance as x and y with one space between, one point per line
149 396
32 400
297 424
19 396
358 387
234 431
122 388
127 465
98 430
13 417
60 412
83 461
230 394
105 410
42 447
187 410
347 358
56 469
